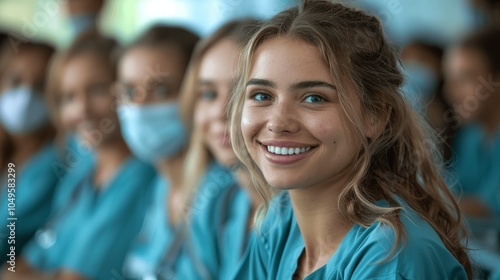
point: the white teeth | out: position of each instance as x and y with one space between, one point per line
287 151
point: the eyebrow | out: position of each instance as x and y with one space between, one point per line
260 82
311 84
296 86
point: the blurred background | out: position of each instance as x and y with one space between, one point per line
440 21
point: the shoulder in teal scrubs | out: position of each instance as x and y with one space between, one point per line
156 252
91 230
150 248
274 253
218 233
35 184
476 165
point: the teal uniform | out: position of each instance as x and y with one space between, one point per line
156 252
92 228
476 166
35 184
218 234
154 239
275 252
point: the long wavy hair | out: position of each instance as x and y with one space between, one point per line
401 160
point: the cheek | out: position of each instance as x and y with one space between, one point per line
68 116
104 106
201 122
251 123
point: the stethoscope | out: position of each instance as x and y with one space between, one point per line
46 236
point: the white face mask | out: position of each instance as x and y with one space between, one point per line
22 110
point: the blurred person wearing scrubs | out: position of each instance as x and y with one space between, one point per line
26 142
221 209
473 89
325 122
151 71
423 86
102 200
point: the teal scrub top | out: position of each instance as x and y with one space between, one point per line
159 245
35 184
218 234
476 165
91 230
155 237
274 253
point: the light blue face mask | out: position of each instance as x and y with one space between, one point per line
22 110
83 22
420 84
153 131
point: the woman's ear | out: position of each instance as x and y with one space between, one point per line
375 124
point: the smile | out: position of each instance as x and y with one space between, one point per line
287 150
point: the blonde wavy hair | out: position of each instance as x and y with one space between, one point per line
402 160
198 156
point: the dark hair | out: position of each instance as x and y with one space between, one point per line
162 35
8 51
487 42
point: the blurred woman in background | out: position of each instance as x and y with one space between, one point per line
472 71
150 75
102 200
221 213
26 141
472 88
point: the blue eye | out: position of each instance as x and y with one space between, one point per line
208 95
314 99
261 96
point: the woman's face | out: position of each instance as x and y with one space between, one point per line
463 89
86 103
151 74
293 124
215 83
27 68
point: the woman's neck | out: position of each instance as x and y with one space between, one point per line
172 171
491 122
25 146
321 224
109 158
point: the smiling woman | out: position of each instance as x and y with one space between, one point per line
318 112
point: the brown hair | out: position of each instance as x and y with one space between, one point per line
487 42
163 35
401 160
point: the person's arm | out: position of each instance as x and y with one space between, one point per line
68 275
475 207
23 271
